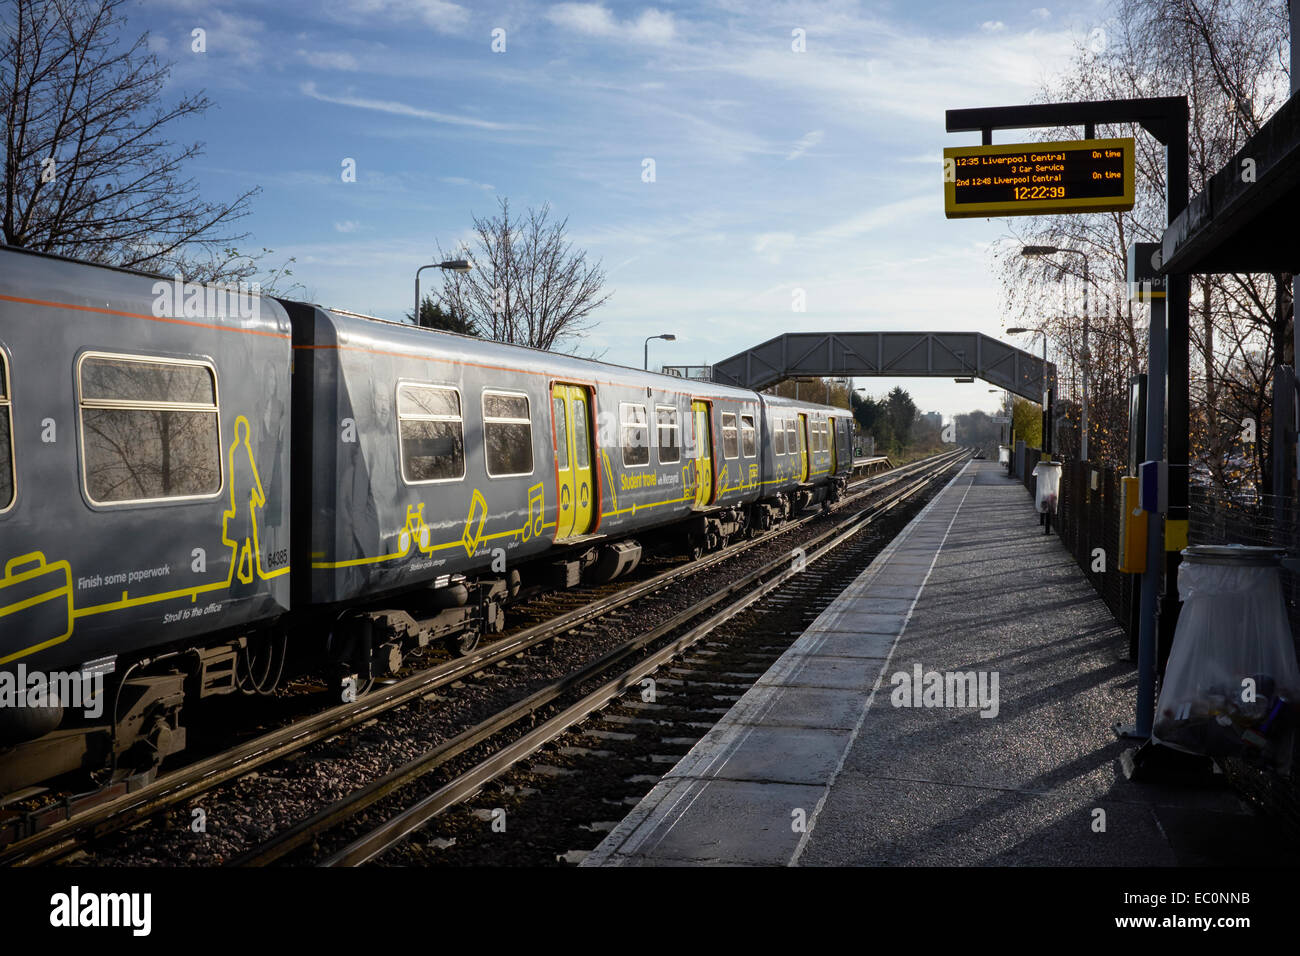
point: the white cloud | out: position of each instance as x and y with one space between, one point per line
1042 13
403 109
932 159
904 73
806 142
592 19
993 26
772 245
443 16
231 34
462 181
347 225
876 218
330 60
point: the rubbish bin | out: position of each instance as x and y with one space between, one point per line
1004 454
1232 682
1048 487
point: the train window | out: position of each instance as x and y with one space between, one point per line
507 434
561 434
730 440
778 436
149 429
670 450
581 443
634 435
791 436
431 433
748 436
7 474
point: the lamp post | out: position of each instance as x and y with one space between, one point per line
1047 433
862 444
455 265
1087 364
667 337
1003 429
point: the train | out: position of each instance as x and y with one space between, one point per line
204 490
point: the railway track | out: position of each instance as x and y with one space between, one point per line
595 686
75 833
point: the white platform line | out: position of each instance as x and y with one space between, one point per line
862 719
633 835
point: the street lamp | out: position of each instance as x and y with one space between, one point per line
1052 250
1047 436
667 337
1006 412
455 265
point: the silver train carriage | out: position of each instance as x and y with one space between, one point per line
197 482
144 462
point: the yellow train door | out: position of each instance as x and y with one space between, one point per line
703 454
831 436
803 447
584 474
575 480
564 484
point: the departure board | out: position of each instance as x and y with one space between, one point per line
1032 179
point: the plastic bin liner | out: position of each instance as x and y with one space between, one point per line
1004 454
1048 488
1231 684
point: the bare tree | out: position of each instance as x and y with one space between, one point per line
1227 57
529 286
828 391
88 170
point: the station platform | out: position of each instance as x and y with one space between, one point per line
874 465
824 761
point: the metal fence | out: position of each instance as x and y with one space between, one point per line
1217 518
1088 517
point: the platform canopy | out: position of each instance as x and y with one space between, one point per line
1244 219
892 354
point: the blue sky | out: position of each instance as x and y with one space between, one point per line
774 170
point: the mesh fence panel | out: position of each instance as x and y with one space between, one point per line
1217 518
1089 518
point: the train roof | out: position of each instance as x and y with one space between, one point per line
355 325
380 335
54 256
780 401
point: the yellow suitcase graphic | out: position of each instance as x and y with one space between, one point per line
35 605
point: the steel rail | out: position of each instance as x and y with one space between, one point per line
753 587
110 816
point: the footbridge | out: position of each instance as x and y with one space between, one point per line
893 354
